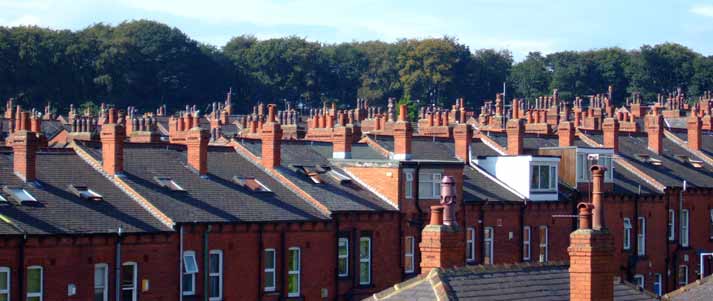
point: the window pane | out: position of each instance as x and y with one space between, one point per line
553 177
189 263
127 295
269 259
292 283
270 279
544 177
188 282
294 260
364 272
535 181
215 286
343 248
127 275
364 249
34 280
214 263
98 294
409 264
3 280
99 273
342 266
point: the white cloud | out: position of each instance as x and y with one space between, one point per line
705 10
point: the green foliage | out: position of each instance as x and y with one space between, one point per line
412 108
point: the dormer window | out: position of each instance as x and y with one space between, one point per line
312 172
19 195
251 183
543 178
585 162
168 183
84 193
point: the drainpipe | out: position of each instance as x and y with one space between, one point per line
419 219
336 258
260 247
21 268
283 257
180 262
482 230
117 281
206 264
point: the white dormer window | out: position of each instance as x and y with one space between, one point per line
543 178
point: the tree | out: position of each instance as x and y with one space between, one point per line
530 78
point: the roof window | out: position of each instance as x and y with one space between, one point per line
340 177
648 159
19 195
251 183
693 162
84 193
167 182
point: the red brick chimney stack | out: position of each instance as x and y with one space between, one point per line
24 146
463 136
694 131
565 132
402 135
655 132
112 139
591 274
197 152
610 128
342 140
442 244
271 136
515 131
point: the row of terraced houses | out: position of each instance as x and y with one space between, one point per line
332 203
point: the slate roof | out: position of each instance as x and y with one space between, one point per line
477 187
59 210
706 140
422 148
700 290
335 196
532 142
51 128
216 198
548 282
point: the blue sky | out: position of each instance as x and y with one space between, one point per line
518 25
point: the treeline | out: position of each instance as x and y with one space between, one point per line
145 64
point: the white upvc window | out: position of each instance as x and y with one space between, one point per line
35 283
639 280
641 237
101 281
270 270
671 225
544 242
5 283
293 272
684 227
129 281
470 244
215 274
409 248
682 275
343 256
429 185
543 178
365 260
488 243
658 284
526 241
408 186
190 269
627 233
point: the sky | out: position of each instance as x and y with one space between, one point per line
521 26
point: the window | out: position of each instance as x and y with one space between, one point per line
710 221
343 256
682 275
488 246
627 233
544 178
641 237
84 193
129 275
4 284
19 195
270 270
408 254
251 183
293 272
543 243
658 284
34 283
639 280
365 260
408 189
470 244
429 185
339 177
526 234
168 183
684 227
584 165
215 274
101 279
190 269
671 225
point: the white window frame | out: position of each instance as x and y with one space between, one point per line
470 244
272 270
685 222
683 281
488 242
658 284
105 288
671 225
365 260
526 243
294 272
192 255
343 257
641 237
409 243
6 292
433 179
544 243
639 280
551 183
627 233
134 287
408 187
42 284
218 274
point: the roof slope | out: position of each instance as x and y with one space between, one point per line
477 187
700 290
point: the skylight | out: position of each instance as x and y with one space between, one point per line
693 162
19 195
340 177
84 193
167 182
251 183
648 159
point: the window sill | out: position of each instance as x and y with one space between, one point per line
346 277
